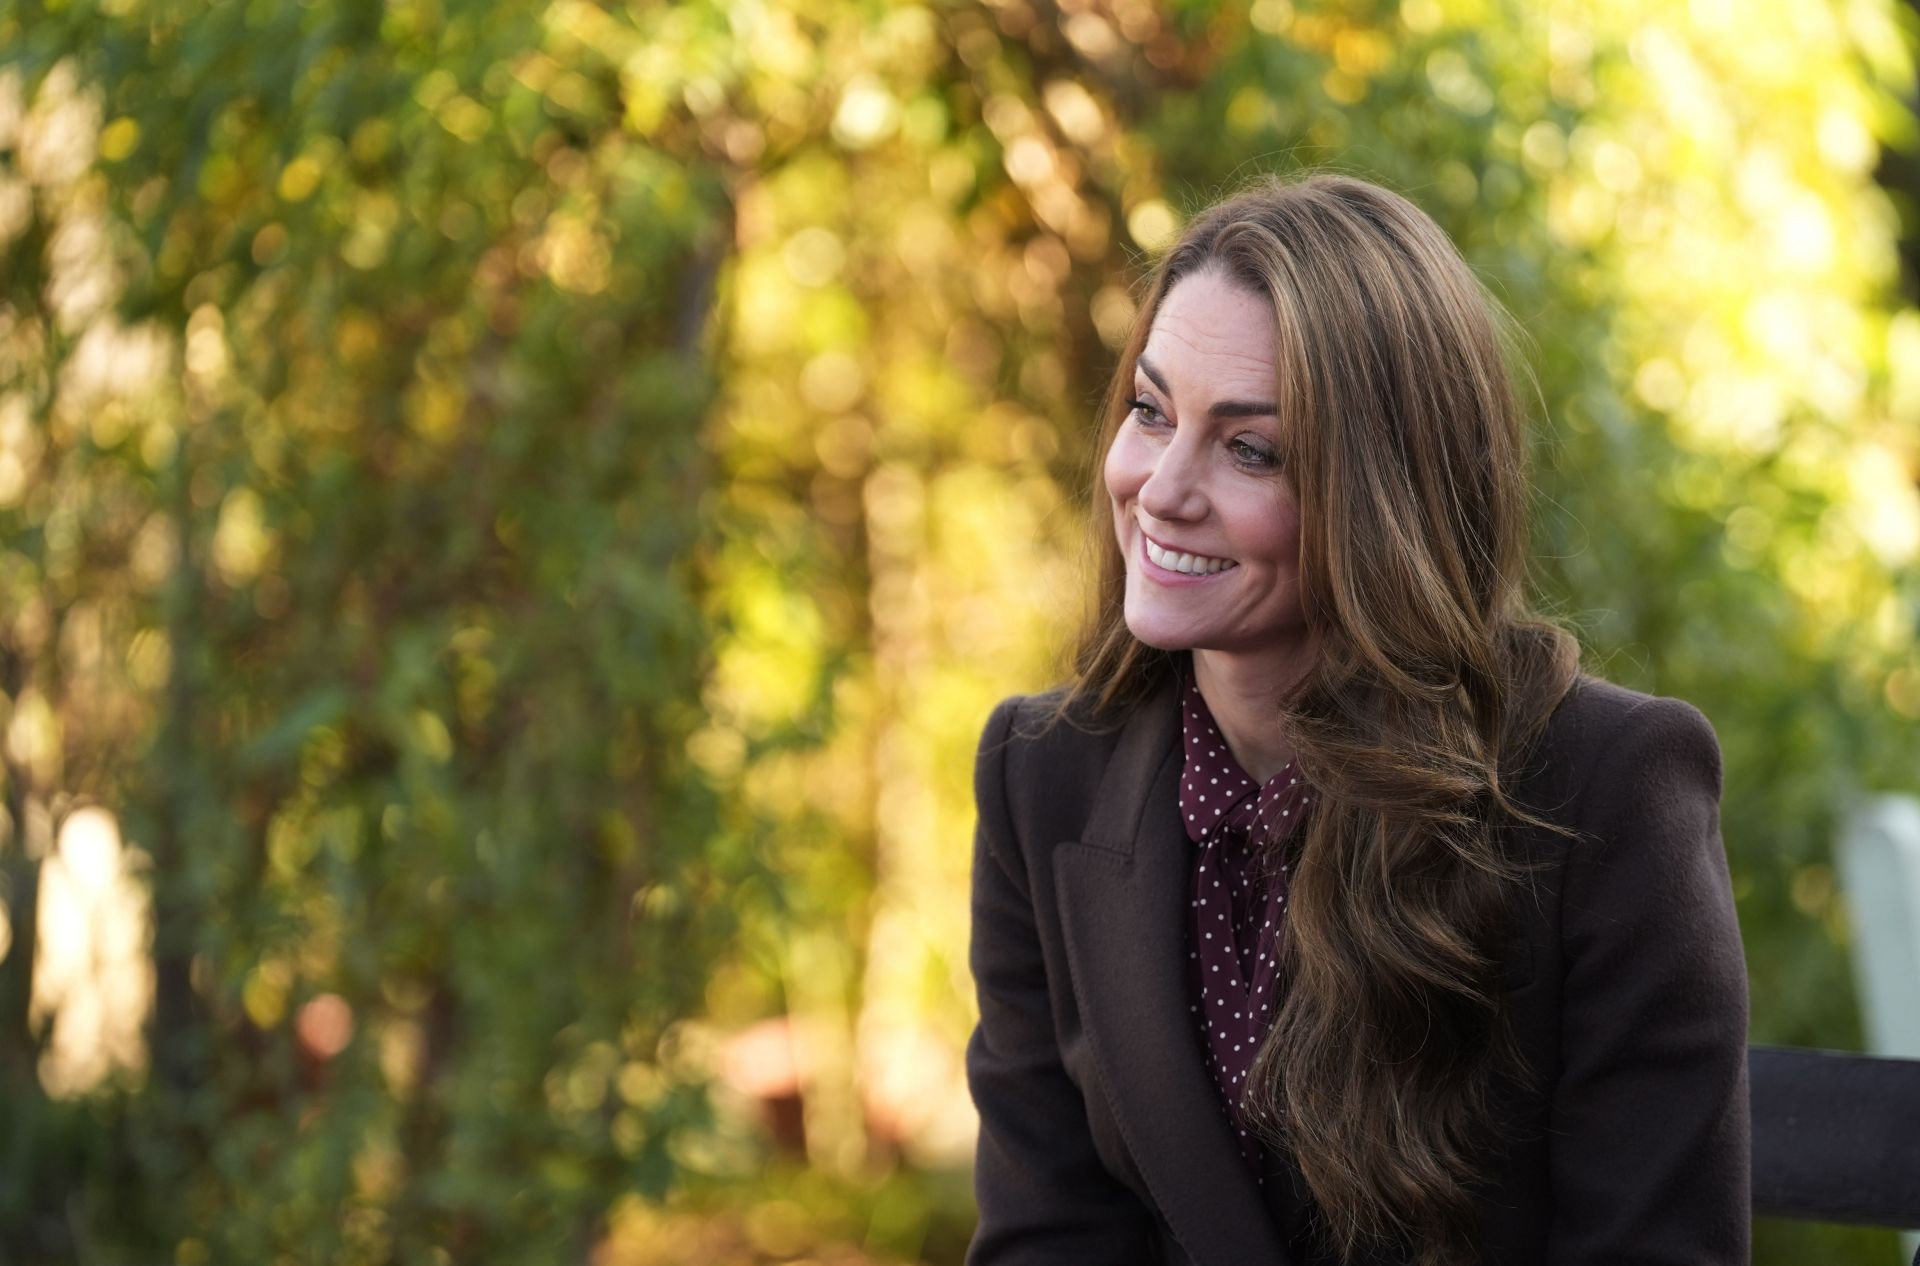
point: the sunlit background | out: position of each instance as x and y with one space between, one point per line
512 518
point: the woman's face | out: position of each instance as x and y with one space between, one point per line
1206 520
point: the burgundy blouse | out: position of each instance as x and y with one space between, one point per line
1237 903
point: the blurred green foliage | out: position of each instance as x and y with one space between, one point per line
521 510
362 381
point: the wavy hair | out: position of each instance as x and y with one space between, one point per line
1402 437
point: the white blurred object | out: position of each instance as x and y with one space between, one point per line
1879 858
1880 869
93 965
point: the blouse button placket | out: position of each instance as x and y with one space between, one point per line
1245 952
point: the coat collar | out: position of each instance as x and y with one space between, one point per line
1123 894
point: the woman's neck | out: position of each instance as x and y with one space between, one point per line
1245 695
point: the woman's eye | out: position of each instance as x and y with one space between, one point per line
1144 410
1254 454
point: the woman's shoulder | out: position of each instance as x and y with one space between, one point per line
1646 898
1603 739
1596 712
1043 756
1050 728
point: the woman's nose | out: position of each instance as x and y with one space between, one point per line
1172 490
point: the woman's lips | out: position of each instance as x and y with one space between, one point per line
1168 576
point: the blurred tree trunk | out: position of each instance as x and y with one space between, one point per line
175 1041
1898 172
20 886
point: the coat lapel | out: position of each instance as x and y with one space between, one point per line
1123 899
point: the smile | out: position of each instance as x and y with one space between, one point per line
1186 564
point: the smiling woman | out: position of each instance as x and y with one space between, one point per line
1206 520
1330 913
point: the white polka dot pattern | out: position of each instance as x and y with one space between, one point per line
1236 905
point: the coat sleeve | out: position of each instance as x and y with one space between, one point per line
1045 1197
1650 1139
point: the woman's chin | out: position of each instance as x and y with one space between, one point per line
1159 634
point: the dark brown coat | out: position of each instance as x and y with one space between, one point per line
1103 1141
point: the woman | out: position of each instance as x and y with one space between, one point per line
1329 913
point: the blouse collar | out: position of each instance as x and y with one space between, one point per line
1216 794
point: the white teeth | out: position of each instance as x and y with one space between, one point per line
1191 564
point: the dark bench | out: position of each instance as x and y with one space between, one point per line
1836 1138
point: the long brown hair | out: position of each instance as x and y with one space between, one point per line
1402 437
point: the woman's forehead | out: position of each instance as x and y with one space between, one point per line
1212 337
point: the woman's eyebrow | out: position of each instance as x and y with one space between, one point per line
1219 408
